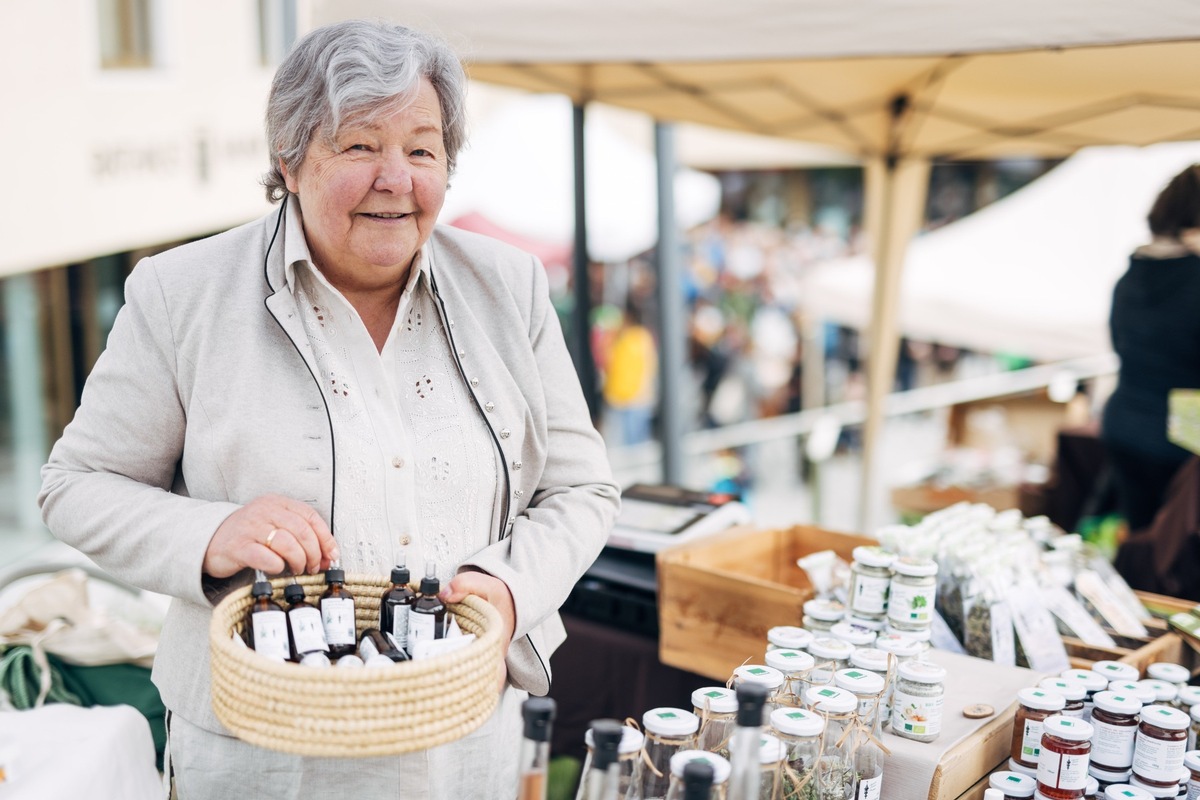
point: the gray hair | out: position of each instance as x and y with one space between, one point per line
354 70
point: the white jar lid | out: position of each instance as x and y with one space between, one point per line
830 699
922 672
762 675
1092 681
871 658
720 766
1041 699
789 637
1117 703
1124 791
1164 692
1165 717
1143 693
789 660
827 649
1108 776
1013 784
900 644
1071 690
1189 695
770 749
873 556
1153 791
1166 671
631 740
1191 760
1064 727
718 699
915 567
670 722
825 609
1091 787
859 681
859 637
1116 670
797 722
923 635
1015 766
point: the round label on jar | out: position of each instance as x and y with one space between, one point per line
911 604
916 715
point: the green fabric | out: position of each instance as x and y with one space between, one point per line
20 678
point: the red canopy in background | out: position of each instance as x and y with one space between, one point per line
553 256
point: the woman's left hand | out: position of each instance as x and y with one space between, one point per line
496 592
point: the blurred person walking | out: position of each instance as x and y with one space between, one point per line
630 381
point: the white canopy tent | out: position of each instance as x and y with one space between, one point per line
1031 274
896 82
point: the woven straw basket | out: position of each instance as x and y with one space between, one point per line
309 711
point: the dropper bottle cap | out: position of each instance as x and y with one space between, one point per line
335 573
751 698
293 593
606 741
430 584
262 587
538 713
400 573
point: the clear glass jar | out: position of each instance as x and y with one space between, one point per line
1033 707
820 615
853 634
830 655
769 678
917 703
716 707
870 579
800 731
771 755
629 763
903 649
1072 691
867 687
1063 761
796 667
720 768
912 594
668 731
788 637
1115 720
836 777
1160 745
1014 785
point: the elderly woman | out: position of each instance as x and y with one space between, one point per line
341 379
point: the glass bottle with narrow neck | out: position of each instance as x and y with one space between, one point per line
538 713
306 633
395 605
697 781
428 618
868 762
744 744
337 613
602 780
266 622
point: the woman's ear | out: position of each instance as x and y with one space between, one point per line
289 179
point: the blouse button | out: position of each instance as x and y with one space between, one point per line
406 540
519 493
398 462
474 381
517 465
489 406
505 433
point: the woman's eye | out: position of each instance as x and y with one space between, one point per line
359 147
420 151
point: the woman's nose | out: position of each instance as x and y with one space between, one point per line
394 175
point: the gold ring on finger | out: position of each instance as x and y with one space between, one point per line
271 537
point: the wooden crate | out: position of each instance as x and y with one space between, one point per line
924 498
719 595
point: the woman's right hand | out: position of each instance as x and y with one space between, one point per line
272 533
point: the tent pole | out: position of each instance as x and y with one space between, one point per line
895 210
672 323
585 364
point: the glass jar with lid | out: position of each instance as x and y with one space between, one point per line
917 702
668 731
629 762
717 708
1116 670
1136 689
1115 720
870 579
923 637
1187 699
800 731
912 593
1159 747
1034 705
771 755
1164 792
1092 681
1063 761
788 637
830 655
796 667
1165 692
720 767
1169 672
1014 785
875 660
854 634
868 687
821 613
769 678
835 775
1072 691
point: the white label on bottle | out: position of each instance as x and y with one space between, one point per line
1193 787
270 634
870 788
1158 760
916 714
400 617
1112 745
869 595
338 616
308 632
1031 740
421 628
911 604
1059 771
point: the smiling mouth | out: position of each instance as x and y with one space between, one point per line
387 216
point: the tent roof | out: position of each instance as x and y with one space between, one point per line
981 79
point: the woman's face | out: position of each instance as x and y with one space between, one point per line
371 199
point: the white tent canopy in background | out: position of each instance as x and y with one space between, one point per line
517 172
1031 274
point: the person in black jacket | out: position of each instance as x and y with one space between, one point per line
1155 327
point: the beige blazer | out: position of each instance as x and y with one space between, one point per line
205 398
